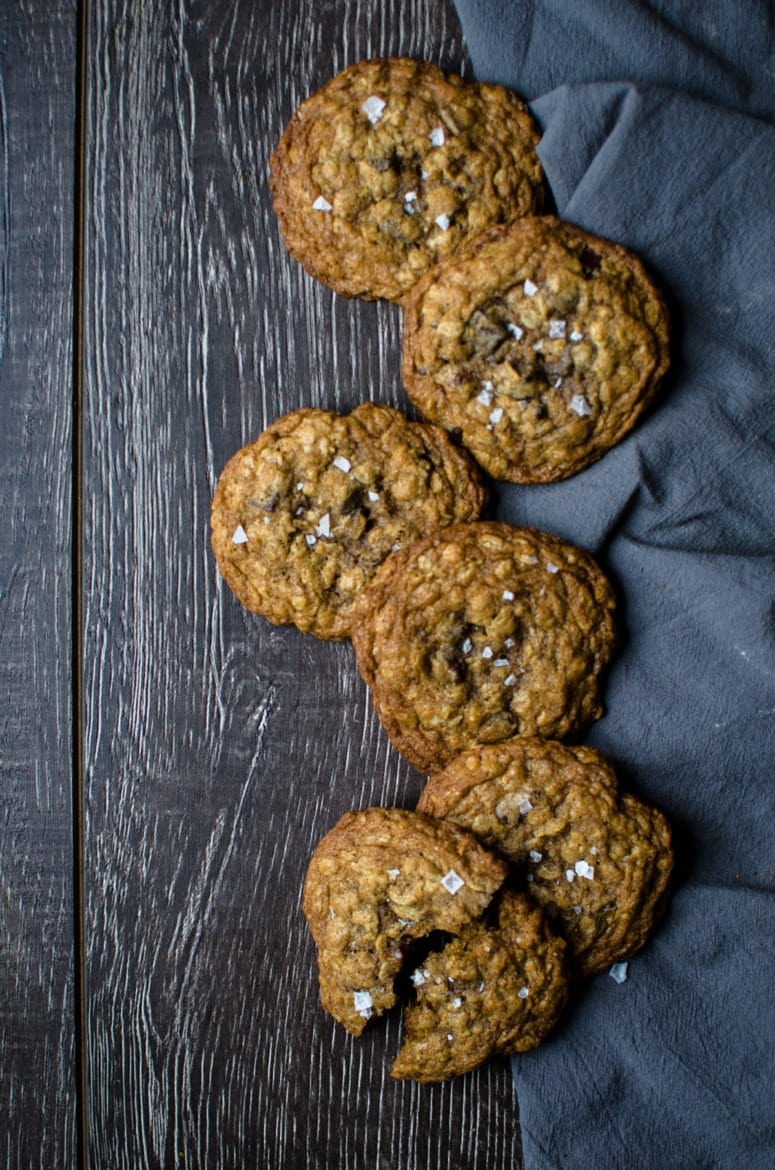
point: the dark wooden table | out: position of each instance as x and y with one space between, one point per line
168 760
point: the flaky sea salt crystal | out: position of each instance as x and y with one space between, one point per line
525 807
373 496
373 108
310 539
580 406
322 204
418 977
515 331
618 972
487 652
457 1002
523 992
552 568
511 681
496 415
363 1003
534 855
452 882
437 136
300 487
576 336
556 329
507 595
557 383
467 646
485 397
410 197
584 869
323 527
530 288
342 463
239 535
501 662
442 221
394 873
509 642
570 875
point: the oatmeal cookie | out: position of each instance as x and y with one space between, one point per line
488 992
392 165
596 860
481 632
378 880
302 517
539 344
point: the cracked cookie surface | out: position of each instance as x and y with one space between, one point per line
539 344
482 632
378 880
302 517
598 861
392 165
490 991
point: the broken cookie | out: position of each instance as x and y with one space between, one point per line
490 991
378 880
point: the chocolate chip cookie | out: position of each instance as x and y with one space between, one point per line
538 344
392 165
378 880
597 861
481 632
302 517
490 991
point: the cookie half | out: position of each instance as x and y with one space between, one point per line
394 164
378 880
597 861
303 516
539 344
490 991
482 632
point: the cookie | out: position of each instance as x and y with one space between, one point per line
303 516
539 345
481 632
378 880
597 861
392 165
488 992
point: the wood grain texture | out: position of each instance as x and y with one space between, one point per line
38 1082
219 749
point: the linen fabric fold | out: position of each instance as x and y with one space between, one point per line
657 123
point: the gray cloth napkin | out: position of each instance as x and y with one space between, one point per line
657 121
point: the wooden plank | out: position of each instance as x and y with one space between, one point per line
220 749
38 1079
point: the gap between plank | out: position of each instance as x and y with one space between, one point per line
77 545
